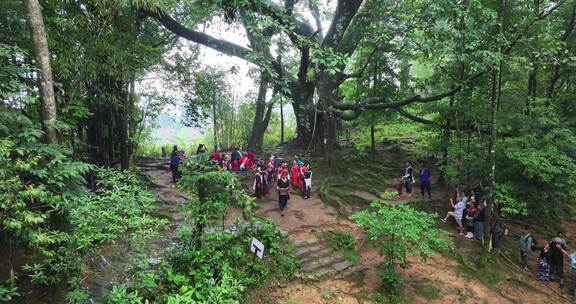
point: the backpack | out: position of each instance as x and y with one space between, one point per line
525 240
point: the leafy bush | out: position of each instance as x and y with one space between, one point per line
220 271
214 267
44 205
399 231
388 195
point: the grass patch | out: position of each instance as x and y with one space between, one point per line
426 289
489 276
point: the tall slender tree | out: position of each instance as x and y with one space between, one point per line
45 79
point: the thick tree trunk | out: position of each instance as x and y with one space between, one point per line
326 86
255 141
45 80
304 112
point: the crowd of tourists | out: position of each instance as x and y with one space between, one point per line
551 256
274 170
267 173
468 213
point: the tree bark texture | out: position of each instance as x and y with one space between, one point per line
45 80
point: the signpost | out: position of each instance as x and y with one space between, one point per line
257 248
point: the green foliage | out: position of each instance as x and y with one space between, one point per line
9 292
46 208
397 232
221 271
388 195
345 242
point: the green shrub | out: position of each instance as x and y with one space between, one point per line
399 231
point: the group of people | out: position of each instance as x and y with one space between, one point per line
468 213
238 161
550 259
407 180
267 172
298 176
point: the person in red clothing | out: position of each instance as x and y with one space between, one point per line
282 168
242 162
251 155
235 166
295 174
217 156
400 186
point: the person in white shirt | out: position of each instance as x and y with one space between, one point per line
456 214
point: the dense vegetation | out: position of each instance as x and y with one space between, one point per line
483 88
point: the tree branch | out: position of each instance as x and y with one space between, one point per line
219 45
345 12
381 102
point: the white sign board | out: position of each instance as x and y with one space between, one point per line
257 248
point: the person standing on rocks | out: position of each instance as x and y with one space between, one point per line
283 187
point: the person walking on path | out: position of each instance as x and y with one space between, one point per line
307 181
526 243
408 178
425 180
557 261
456 214
543 274
295 174
283 187
258 183
174 163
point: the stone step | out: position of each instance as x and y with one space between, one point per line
348 271
315 254
303 252
320 262
306 243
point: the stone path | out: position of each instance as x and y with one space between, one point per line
318 260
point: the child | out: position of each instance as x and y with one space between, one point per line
400 185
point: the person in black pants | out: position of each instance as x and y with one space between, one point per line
408 178
283 191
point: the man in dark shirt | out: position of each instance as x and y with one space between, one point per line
557 253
